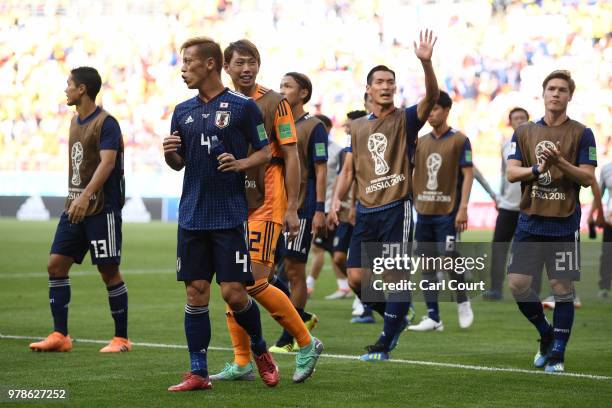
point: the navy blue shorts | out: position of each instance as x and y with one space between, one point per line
393 225
325 243
342 237
440 231
530 253
299 248
99 234
202 254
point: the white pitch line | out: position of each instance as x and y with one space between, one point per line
88 273
348 357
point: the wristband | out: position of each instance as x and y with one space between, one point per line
535 170
320 206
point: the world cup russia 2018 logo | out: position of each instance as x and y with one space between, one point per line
545 178
377 145
433 163
76 157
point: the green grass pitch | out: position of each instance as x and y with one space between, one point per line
500 337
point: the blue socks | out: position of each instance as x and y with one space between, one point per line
59 298
118 302
529 304
249 319
563 319
197 331
395 314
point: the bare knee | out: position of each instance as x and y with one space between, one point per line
354 277
340 260
561 286
519 284
58 266
198 292
235 295
110 274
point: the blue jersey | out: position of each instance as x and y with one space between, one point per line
413 125
465 160
317 152
211 199
110 139
556 226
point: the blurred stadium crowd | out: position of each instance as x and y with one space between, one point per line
491 56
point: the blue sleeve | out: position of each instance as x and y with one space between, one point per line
253 126
318 144
413 125
110 136
515 150
174 127
466 154
587 150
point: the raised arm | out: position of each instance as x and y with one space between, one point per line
424 51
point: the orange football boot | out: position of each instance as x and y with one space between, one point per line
117 345
192 382
56 341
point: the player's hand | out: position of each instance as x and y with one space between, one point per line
78 208
600 220
496 202
227 162
292 224
552 155
172 143
352 217
426 44
329 222
333 212
318 225
461 220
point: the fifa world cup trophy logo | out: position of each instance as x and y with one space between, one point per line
377 145
545 178
433 163
76 156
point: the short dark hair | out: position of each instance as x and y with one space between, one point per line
304 82
560 74
376 69
356 114
244 47
444 100
517 109
207 48
326 121
89 77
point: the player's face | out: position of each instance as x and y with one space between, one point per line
291 90
438 115
517 119
73 93
195 70
382 88
347 126
243 70
556 95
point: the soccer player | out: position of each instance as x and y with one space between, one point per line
210 137
507 213
380 149
320 245
271 205
91 220
442 181
605 221
312 149
552 158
